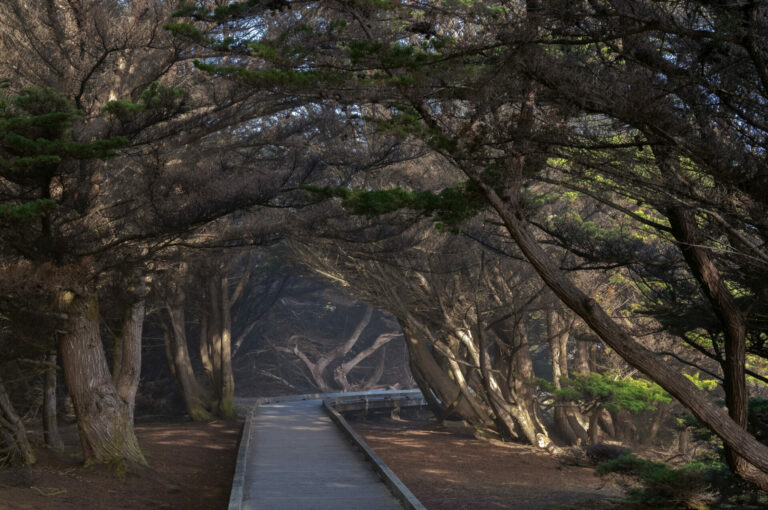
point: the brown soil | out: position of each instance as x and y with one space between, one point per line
449 469
191 468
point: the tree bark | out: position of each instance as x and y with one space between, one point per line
196 401
594 429
50 426
226 400
558 341
318 368
341 372
683 223
14 445
104 418
126 380
432 375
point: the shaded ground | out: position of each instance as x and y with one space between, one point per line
449 469
192 465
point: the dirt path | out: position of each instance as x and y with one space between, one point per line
191 468
451 470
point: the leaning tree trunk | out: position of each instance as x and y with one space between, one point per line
104 415
50 426
14 445
195 398
432 379
514 400
650 364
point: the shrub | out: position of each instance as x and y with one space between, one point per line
664 487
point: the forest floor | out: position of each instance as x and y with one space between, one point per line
192 464
191 468
448 468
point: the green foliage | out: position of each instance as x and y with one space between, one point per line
666 487
448 208
358 50
186 30
262 50
35 140
156 98
26 210
702 384
632 394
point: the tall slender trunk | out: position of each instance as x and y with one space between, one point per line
583 357
196 401
126 380
227 392
104 418
205 347
50 425
566 422
523 382
216 345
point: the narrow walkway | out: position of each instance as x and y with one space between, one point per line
299 460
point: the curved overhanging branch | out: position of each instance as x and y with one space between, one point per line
615 337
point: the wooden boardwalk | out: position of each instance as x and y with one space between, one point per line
297 459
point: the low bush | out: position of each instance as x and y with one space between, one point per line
663 486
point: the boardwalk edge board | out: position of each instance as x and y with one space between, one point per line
238 481
398 488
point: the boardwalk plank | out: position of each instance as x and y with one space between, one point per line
298 460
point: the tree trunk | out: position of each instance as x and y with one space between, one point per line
567 425
104 419
684 441
227 391
126 380
205 347
521 381
683 223
507 422
318 368
594 428
582 357
341 372
374 379
653 427
431 374
14 445
50 426
195 399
